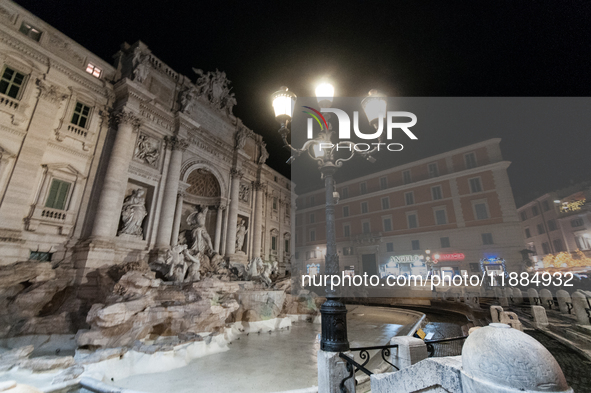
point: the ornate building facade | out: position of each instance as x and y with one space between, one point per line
102 164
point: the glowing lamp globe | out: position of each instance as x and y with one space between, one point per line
374 106
325 94
318 152
283 104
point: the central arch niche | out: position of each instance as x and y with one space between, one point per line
203 190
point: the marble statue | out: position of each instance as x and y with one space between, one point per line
175 259
261 271
139 66
201 258
203 82
254 268
264 153
268 270
228 103
146 151
194 266
215 87
186 98
219 88
201 239
240 234
242 133
133 213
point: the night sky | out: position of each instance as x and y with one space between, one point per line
403 48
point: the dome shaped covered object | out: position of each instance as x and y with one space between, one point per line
500 359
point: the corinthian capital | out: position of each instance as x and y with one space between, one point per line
176 143
235 173
50 92
257 185
126 117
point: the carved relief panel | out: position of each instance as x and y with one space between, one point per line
244 193
147 150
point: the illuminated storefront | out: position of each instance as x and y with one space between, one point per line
493 267
404 265
444 263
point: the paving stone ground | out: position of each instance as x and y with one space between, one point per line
576 368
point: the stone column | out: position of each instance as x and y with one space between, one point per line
109 207
176 225
258 220
218 228
224 232
233 212
163 237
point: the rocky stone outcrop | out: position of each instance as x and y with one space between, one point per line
142 306
35 298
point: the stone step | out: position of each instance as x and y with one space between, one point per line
581 338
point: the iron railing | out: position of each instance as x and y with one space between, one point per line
445 347
352 366
435 348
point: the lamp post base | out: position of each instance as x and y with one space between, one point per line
334 326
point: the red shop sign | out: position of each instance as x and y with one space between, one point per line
458 256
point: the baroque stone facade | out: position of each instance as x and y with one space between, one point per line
103 164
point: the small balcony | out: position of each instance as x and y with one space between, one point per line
41 215
8 104
78 132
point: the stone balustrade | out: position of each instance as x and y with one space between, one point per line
535 369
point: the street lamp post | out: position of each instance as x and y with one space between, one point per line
333 311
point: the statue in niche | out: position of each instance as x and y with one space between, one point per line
201 239
133 213
146 150
200 256
240 234
264 153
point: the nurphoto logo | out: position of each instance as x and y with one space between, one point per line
344 131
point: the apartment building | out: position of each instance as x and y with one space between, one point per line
453 212
558 221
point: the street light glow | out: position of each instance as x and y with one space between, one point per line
283 104
325 94
374 106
